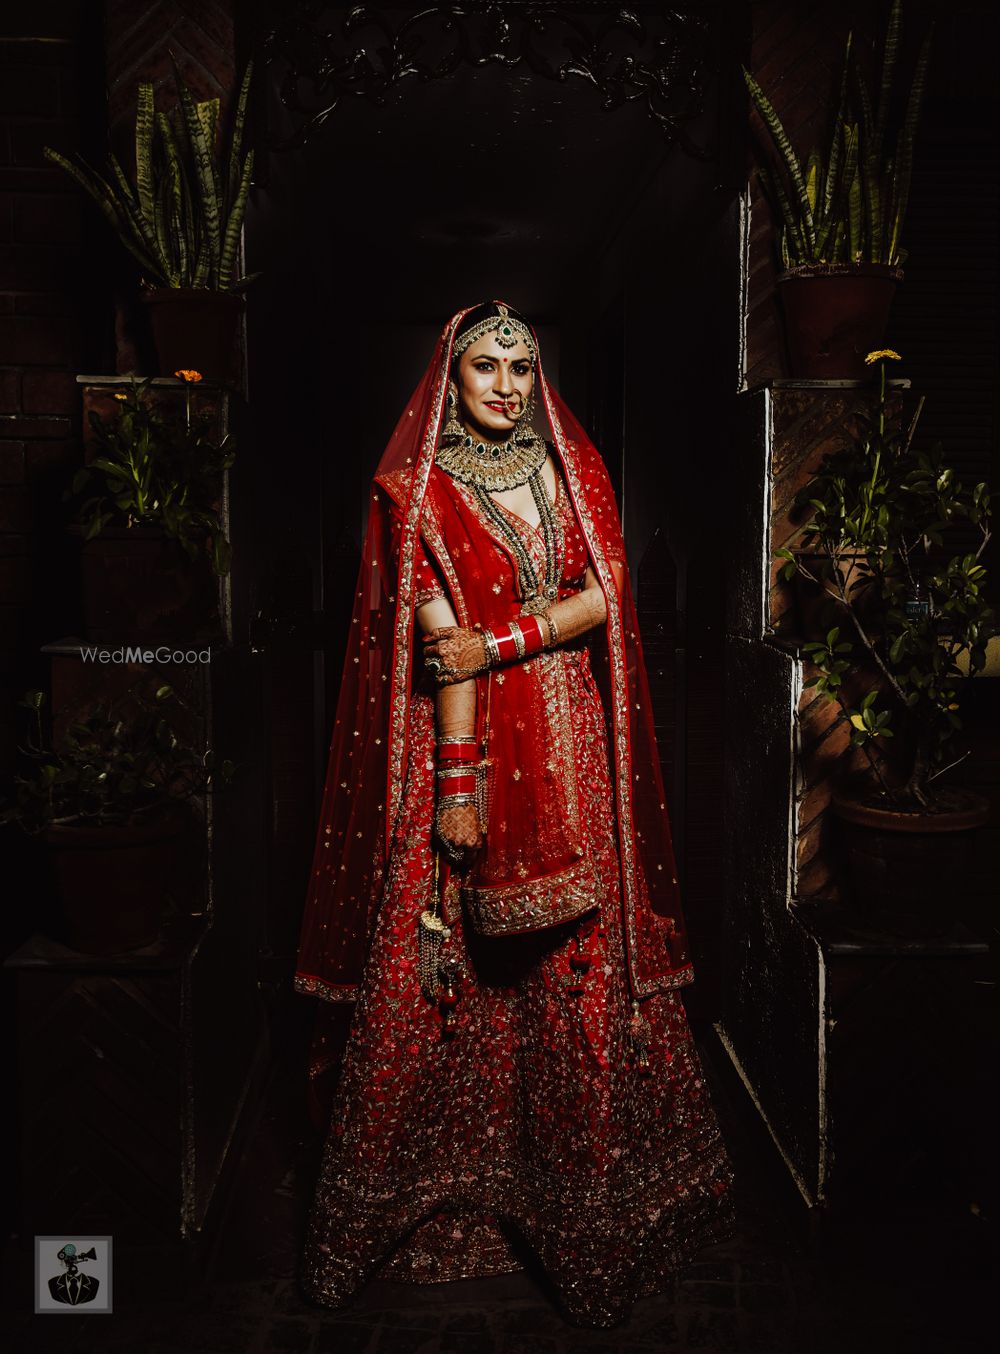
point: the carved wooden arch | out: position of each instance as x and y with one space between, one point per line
651 53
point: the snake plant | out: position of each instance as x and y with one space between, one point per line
181 215
849 206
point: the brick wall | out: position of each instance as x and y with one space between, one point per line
43 248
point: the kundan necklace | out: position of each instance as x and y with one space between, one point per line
493 466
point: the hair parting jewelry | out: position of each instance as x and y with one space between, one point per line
504 328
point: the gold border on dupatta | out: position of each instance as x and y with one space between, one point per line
318 987
621 750
534 904
399 695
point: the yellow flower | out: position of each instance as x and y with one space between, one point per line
877 356
190 376
120 397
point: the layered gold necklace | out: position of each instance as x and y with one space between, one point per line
492 466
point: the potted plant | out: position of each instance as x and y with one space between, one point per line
107 802
181 217
151 532
841 216
904 612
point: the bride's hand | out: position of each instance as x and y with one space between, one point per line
458 828
461 651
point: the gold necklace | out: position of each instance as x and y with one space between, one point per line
493 466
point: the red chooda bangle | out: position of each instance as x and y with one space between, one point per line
456 750
516 639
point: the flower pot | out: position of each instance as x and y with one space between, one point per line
906 868
835 314
139 585
194 328
111 882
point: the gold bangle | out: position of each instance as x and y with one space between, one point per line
553 631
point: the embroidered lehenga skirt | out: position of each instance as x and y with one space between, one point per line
532 1130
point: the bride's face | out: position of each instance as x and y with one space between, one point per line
493 384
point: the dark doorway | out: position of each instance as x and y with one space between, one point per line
620 242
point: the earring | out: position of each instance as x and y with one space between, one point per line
524 428
452 427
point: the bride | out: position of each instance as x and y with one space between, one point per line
494 884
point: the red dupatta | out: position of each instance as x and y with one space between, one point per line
365 780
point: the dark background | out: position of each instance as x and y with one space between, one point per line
648 269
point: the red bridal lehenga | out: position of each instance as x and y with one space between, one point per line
564 1124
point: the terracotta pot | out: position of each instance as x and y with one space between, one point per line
194 328
906 868
835 314
139 585
111 883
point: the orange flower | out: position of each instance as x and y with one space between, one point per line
190 376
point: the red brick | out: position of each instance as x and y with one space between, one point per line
31 427
15 510
814 802
36 340
69 90
11 462
48 218
817 877
10 391
211 56
50 392
15 577
28 90
27 147
809 843
214 18
44 303
10 633
153 64
31 180
53 19
824 758
785 526
41 457
30 268
816 717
